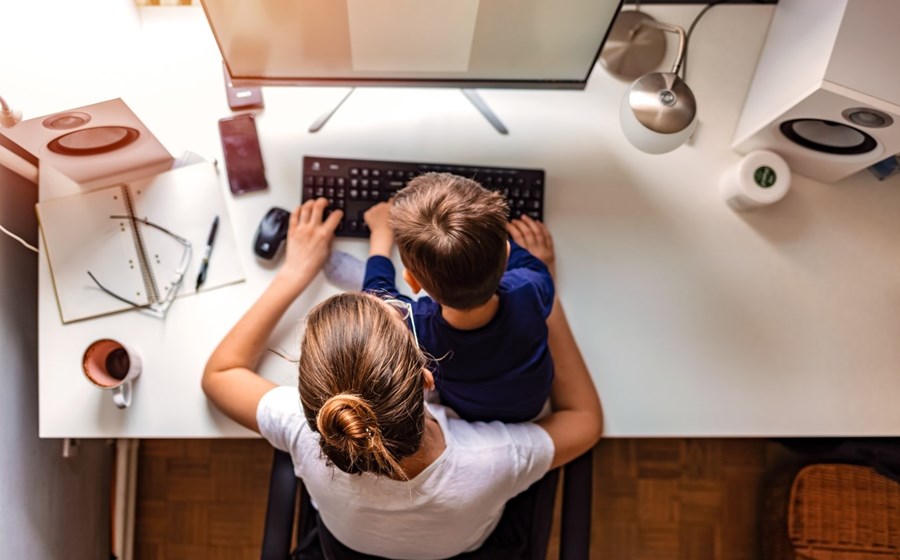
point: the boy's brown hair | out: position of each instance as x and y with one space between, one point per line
451 233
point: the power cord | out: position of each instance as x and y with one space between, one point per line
690 31
19 239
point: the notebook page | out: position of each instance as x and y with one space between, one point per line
79 236
185 201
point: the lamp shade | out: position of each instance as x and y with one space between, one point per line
658 113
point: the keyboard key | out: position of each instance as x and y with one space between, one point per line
354 185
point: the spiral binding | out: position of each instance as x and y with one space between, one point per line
150 284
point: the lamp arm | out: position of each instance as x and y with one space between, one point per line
4 106
682 40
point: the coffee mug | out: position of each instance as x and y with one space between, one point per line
109 364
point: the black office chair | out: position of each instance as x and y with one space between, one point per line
534 508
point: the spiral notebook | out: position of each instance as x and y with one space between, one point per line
131 259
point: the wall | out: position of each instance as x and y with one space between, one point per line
50 507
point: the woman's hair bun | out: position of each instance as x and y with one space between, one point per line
346 419
352 439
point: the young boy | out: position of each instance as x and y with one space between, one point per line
485 322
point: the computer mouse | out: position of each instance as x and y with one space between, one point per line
271 233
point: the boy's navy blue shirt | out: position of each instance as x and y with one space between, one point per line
501 371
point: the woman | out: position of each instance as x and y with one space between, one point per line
390 475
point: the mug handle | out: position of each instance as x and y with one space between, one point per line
122 395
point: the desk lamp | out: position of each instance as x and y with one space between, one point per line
658 112
8 117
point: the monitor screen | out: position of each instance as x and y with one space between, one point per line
459 43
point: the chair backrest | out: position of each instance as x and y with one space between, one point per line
523 532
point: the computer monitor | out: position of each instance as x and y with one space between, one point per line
452 43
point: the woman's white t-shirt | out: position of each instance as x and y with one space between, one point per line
449 508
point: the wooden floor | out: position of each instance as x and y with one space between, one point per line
679 499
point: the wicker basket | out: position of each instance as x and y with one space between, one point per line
844 512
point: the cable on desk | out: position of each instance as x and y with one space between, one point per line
690 31
19 239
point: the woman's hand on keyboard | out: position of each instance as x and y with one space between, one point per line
308 241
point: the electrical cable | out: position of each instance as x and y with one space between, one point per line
19 239
690 31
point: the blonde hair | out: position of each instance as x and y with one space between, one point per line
361 384
451 234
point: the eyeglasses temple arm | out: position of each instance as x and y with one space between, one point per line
113 294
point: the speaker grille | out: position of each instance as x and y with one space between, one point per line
828 136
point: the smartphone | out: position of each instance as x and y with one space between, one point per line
243 156
241 97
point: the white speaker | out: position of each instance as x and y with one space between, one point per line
97 145
826 92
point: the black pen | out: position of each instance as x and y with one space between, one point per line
201 278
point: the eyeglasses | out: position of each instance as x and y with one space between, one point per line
406 310
157 304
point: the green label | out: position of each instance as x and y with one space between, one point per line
764 176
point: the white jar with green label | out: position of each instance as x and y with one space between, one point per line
760 178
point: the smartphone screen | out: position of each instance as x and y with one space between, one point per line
243 156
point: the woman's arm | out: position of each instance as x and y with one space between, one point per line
229 380
576 423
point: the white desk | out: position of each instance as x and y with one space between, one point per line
694 320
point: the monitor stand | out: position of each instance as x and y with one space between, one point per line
470 94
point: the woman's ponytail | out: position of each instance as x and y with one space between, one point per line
351 435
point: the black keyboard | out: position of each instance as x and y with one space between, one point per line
355 185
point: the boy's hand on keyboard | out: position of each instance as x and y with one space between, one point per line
534 236
381 236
